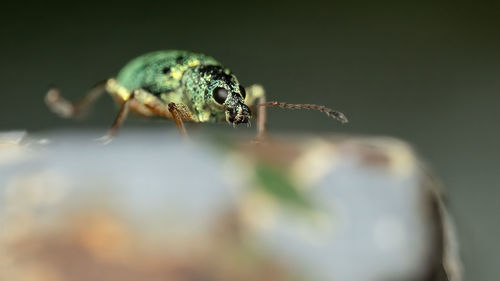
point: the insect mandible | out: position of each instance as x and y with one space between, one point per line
183 86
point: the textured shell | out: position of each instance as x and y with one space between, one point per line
161 71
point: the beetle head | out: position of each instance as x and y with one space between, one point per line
224 95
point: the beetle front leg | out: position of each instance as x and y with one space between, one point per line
177 111
256 95
177 116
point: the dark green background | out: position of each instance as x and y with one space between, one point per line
428 73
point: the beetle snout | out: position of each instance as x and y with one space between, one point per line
238 115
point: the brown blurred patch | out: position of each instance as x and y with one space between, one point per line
100 245
272 152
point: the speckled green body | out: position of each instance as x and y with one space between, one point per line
187 78
149 70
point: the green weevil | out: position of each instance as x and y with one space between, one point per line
183 86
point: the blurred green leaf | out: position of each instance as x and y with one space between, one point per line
279 185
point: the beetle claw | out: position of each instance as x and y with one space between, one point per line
106 139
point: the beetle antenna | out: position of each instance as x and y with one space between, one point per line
328 111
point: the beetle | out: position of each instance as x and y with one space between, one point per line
180 85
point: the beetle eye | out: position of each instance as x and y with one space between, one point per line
166 70
220 95
243 92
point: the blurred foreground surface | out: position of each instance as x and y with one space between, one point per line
151 207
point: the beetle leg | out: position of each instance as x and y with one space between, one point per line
120 118
177 111
66 109
177 116
148 104
257 95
